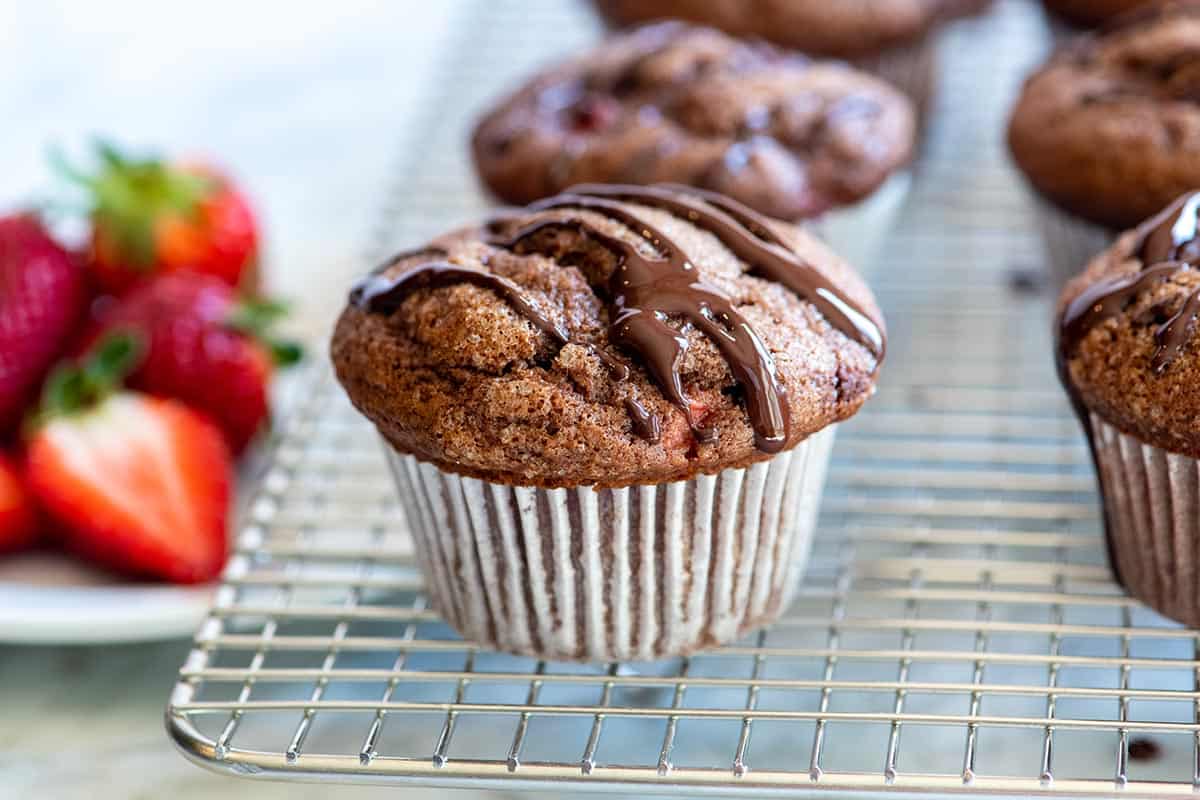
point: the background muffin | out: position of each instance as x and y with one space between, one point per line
671 102
842 29
887 37
632 346
1093 12
1129 359
1109 130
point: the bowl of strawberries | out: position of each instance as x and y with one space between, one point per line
135 377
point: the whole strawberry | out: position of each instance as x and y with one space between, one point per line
42 297
149 216
19 528
204 347
137 483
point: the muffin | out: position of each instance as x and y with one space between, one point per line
1090 13
787 136
1130 362
609 414
889 37
1108 132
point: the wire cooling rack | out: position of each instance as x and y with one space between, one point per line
958 630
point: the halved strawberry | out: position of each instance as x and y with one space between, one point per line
149 216
18 515
137 483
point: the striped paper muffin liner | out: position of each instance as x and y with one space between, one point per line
1070 242
637 573
1152 498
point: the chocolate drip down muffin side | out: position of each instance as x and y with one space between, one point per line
1129 359
610 412
788 136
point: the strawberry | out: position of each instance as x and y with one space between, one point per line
18 514
42 296
204 347
149 216
137 483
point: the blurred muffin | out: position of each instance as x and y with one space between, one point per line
887 37
1090 13
609 414
1129 358
787 136
1109 129
846 29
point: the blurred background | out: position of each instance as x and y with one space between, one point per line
301 102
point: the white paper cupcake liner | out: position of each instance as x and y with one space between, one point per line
637 573
1070 242
1153 501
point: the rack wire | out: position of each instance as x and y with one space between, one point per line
958 630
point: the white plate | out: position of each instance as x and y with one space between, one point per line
46 598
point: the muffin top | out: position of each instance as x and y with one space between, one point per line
845 29
615 335
1093 12
1110 128
673 102
1127 326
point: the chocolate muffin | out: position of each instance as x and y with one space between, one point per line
845 29
1129 358
1108 132
1110 129
1090 13
609 414
785 135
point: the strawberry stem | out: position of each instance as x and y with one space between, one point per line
254 317
75 387
127 195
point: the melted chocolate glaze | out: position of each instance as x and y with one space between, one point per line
1170 243
384 295
644 293
749 236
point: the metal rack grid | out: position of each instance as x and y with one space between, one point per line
958 630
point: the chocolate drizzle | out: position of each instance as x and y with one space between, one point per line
645 293
383 295
749 236
1169 244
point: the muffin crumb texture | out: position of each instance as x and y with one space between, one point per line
1127 331
454 372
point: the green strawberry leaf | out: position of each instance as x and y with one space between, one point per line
77 386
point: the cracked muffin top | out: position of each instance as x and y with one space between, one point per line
1127 326
611 336
845 29
1110 128
788 136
